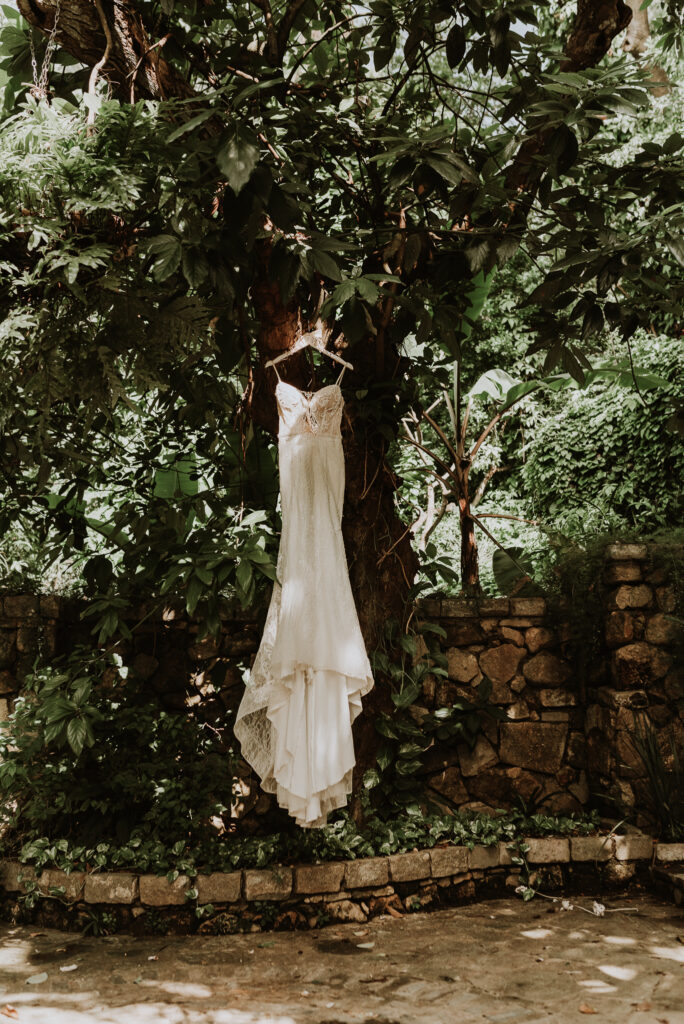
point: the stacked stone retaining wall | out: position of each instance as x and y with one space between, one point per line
310 895
566 740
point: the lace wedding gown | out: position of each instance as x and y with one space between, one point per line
311 669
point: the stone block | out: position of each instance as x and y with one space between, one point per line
474 761
448 860
207 648
74 883
27 639
506 856
10 873
528 606
7 648
114 887
636 699
501 663
481 857
619 628
461 632
666 598
219 887
547 669
670 852
635 665
309 878
366 873
449 783
537 637
660 629
547 851
591 847
157 891
24 606
461 665
4 710
408 867
271 884
633 847
622 572
577 749
557 698
8 684
639 596
518 711
459 608
626 552
493 606
50 606
538 746
514 636
555 716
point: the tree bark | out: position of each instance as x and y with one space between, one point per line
636 42
135 68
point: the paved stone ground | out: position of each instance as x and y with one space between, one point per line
501 961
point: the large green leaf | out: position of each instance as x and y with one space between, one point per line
237 156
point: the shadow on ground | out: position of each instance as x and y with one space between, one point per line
502 961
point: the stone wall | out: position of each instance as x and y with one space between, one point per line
287 897
565 743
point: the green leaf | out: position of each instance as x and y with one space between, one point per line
194 122
325 264
76 734
237 156
166 250
455 46
194 592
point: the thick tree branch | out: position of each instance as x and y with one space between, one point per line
80 33
285 26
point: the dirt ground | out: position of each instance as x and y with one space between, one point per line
502 961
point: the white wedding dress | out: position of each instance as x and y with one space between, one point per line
311 669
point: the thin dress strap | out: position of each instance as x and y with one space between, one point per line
276 370
340 376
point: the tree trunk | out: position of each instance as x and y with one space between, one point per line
135 69
382 562
636 42
470 573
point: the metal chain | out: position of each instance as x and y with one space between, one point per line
40 82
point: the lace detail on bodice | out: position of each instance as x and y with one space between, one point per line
309 412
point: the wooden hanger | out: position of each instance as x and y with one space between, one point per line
316 339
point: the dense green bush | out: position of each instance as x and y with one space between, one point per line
607 458
91 756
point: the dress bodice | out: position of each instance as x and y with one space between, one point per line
309 412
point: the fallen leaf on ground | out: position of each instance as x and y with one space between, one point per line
642 1006
9 1011
37 979
153 957
33 934
365 945
69 967
585 1008
364 931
